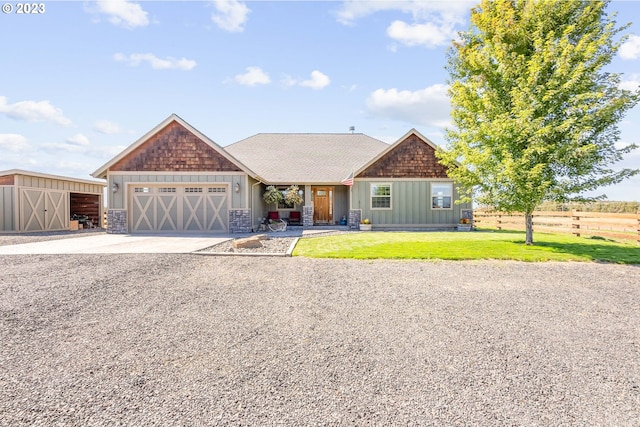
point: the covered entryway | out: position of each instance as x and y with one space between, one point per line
322 205
179 208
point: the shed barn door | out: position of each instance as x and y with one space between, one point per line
43 210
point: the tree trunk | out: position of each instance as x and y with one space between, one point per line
528 219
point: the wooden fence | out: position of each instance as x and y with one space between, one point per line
612 225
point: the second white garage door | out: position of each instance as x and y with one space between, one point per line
179 208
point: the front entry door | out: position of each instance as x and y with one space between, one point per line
322 205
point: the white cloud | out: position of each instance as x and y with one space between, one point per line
254 76
429 34
156 63
231 15
429 106
123 13
79 140
33 111
56 148
633 83
353 10
631 48
13 142
107 127
318 80
434 22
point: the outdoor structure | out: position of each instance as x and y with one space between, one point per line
32 202
175 179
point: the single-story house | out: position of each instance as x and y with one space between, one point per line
176 179
32 201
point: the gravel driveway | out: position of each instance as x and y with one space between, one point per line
89 340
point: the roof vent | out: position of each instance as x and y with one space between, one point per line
352 129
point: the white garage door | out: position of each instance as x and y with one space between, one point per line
179 208
43 210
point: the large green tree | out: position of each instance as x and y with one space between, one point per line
534 112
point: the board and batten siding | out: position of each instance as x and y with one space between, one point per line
238 200
58 184
410 204
257 204
7 208
340 203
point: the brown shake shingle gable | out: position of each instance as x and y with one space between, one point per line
301 158
176 146
174 149
410 157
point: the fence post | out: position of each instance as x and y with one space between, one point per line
498 222
575 223
638 217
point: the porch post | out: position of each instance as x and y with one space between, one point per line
307 216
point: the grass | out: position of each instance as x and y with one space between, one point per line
504 245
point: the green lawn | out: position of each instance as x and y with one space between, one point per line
507 245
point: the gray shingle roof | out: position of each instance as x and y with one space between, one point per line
305 158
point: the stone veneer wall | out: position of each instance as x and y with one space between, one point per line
116 221
240 221
307 216
355 216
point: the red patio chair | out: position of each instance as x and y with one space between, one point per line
294 218
274 216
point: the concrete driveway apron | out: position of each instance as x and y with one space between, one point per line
116 244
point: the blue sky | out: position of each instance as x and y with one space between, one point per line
83 80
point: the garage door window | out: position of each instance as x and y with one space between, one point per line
193 190
217 190
142 190
167 189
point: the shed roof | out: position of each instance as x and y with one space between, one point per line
305 158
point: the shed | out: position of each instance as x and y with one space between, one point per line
32 201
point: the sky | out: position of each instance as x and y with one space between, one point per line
82 80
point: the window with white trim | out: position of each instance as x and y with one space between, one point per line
380 196
441 195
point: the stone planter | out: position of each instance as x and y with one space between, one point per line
365 227
464 227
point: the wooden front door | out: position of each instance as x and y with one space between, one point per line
322 205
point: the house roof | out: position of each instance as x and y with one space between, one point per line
305 158
49 176
102 171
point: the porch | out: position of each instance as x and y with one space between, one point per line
321 205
